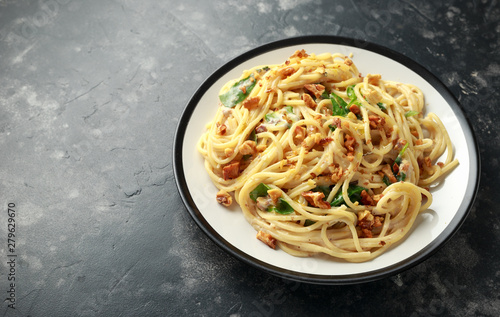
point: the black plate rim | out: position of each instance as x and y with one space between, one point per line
417 258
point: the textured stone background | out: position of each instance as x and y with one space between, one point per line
90 96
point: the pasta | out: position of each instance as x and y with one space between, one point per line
323 160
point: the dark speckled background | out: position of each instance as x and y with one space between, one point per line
90 96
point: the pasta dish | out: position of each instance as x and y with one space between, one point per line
322 159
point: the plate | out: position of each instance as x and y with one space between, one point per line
228 228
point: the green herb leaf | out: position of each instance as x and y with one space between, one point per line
282 207
381 106
399 158
411 113
353 192
238 92
309 222
332 127
339 106
386 180
259 191
351 94
401 177
322 189
265 69
272 117
290 115
252 136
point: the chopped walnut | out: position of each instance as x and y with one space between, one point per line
221 129
376 122
285 72
373 79
366 222
224 198
374 97
274 193
309 101
247 147
427 161
337 173
251 103
324 141
299 133
354 109
316 199
366 199
230 171
300 54
404 167
267 239
310 141
388 172
261 128
316 89
350 144
337 122
228 151
400 144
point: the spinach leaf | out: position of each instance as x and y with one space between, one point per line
325 95
272 117
352 95
309 222
386 180
238 92
339 106
411 113
252 136
353 192
259 191
282 207
399 158
401 177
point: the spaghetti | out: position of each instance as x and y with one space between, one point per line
322 160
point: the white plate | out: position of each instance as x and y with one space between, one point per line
229 229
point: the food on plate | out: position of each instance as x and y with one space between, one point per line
324 160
